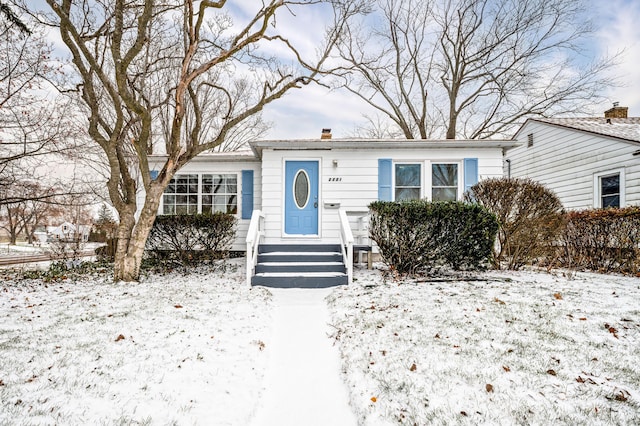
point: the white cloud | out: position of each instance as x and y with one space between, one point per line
618 31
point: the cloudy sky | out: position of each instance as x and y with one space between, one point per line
303 113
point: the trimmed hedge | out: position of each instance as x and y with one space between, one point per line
530 215
418 236
603 240
190 239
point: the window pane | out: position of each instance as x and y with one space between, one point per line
181 209
232 205
611 201
408 175
610 184
444 194
169 209
444 175
403 194
301 189
206 200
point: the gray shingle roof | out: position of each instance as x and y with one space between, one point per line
621 128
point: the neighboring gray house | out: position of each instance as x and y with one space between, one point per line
588 162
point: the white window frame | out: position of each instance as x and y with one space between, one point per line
422 176
429 182
597 186
200 193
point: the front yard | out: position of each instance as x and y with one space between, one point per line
498 348
509 348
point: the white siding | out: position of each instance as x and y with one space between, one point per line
567 160
357 170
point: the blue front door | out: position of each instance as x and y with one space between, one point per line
301 198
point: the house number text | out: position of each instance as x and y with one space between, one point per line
335 179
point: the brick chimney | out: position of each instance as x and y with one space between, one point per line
616 112
326 134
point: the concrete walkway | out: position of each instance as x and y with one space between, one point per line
302 382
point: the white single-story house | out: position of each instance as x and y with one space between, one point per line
303 194
589 162
67 231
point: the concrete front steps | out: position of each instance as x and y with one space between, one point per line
300 266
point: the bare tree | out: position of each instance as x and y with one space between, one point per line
36 126
471 68
176 78
11 220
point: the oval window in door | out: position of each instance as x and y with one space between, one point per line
301 189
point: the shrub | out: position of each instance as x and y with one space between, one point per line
189 239
604 240
418 236
530 218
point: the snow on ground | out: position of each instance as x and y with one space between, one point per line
303 385
172 349
506 348
510 348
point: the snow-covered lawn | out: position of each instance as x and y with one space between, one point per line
511 348
171 350
507 348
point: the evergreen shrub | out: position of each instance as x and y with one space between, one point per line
419 236
191 239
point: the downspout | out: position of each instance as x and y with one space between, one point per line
508 168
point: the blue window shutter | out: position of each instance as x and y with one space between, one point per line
247 194
153 174
384 179
470 172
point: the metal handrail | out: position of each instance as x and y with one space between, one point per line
346 243
254 236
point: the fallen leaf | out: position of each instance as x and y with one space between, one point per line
374 399
499 301
178 306
464 413
621 397
489 387
120 337
552 372
413 367
580 380
611 330
558 296
505 368
582 319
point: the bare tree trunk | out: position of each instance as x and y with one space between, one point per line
132 236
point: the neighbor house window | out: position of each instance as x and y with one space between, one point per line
610 191
407 181
220 193
181 195
444 182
